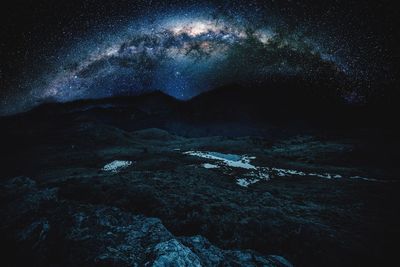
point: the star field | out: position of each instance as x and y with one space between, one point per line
184 49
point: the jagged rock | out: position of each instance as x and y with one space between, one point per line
173 253
213 256
209 254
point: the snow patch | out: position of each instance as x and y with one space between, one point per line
231 160
210 166
364 178
117 165
254 174
245 182
287 172
261 173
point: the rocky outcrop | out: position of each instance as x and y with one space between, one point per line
212 256
46 231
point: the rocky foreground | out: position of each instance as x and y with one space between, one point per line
40 226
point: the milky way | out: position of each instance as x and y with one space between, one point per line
184 53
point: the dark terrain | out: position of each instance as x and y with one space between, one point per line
326 193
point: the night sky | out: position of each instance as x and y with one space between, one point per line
58 51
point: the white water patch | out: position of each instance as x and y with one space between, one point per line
117 165
210 166
231 160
